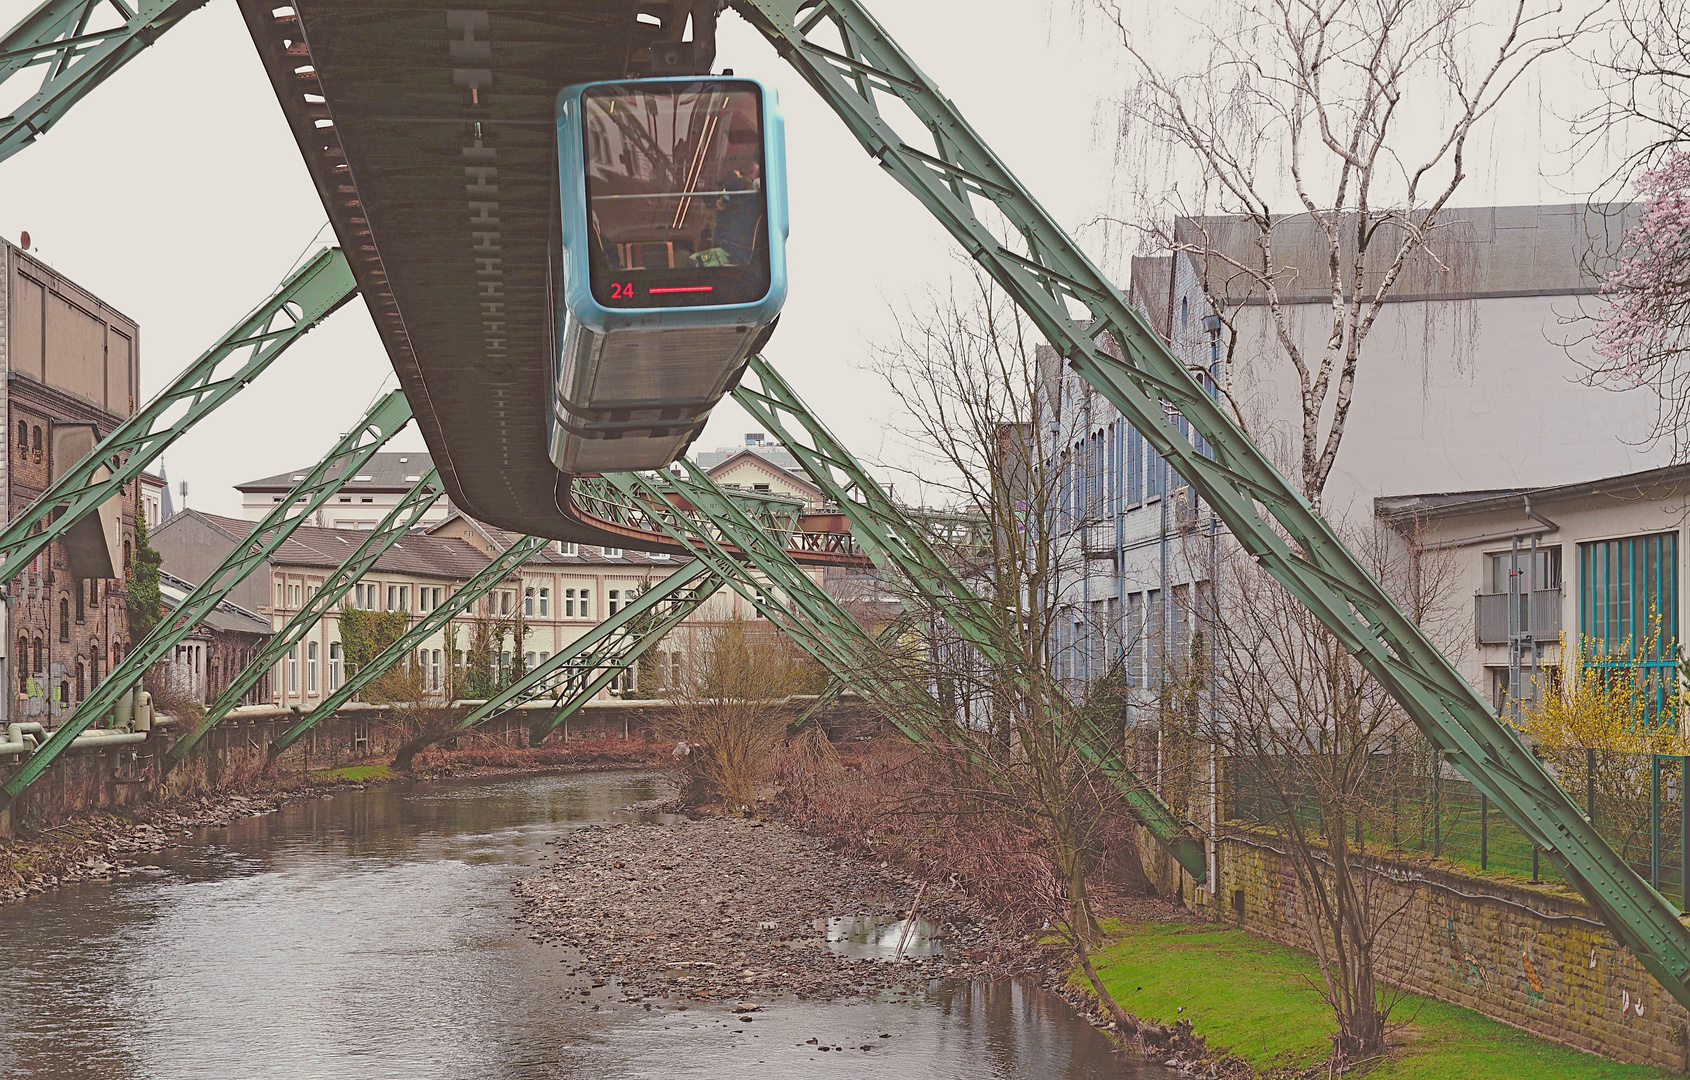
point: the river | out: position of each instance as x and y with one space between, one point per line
371 935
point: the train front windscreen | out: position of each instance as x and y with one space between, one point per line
676 198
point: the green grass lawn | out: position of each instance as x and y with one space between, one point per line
1252 998
356 773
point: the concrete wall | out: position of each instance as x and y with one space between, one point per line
1534 957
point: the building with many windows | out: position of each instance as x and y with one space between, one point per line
1592 566
72 366
1464 386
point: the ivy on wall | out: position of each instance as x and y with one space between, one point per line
145 606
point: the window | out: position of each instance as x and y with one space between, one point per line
760 603
545 603
1628 611
334 665
527 661
504 664
434 670
528 602
393 598
586 595
23 438
281 595
311 668
611 553
568 549
128 558
36 452
81 600
569 603
38 667
293 670
614 599
404 598
764 488
1548 569
23 658
64 619
422 600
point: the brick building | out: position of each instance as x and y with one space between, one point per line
72 371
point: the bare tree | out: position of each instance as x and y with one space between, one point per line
1356 115
1014 757
1312 741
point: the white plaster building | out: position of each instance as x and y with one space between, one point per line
362 501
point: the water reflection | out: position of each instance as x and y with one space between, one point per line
371 936
879 937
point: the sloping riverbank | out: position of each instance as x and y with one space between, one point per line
730 908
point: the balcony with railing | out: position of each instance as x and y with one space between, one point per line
1540 612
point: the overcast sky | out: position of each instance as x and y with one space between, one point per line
176 194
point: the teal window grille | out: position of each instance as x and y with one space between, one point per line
1628 611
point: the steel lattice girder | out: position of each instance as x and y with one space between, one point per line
589 662
1048 276
308 296
814 619
398 522
354 450
56 34
497 569
899 544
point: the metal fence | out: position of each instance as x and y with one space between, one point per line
1410 800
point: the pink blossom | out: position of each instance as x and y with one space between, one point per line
1645 326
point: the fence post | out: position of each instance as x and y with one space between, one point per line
1684 831
1536 880
1590 784
1484 832
1655 820
1437 808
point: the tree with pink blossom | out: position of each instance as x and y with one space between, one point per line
1643 334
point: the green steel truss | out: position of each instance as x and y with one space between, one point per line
399 521
308 296
354 450
588 664
901 544
807 614
774 515
498 569
56 35
850 60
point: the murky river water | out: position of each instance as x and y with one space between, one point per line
370 936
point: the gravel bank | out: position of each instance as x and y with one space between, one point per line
736 909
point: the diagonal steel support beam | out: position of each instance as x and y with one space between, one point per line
899 544
349 455
308 296
398 522
587 664
498 569
56 35
1073 304
719 533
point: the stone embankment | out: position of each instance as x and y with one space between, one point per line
100 845
738 910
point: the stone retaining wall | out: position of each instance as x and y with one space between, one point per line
1531 956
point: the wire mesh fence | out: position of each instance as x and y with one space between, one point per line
1404 796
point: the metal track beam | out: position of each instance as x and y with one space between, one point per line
354 450
56 35
587 664
308 296
850 60
899 544
497 570
398 522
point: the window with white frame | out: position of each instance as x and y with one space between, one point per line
334 666
614 599
311 668
293 670
528 601
611 553
569 603
545 603
586 603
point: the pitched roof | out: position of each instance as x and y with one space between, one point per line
1650 485
390 471
227 615
774 470
549 555
417 553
